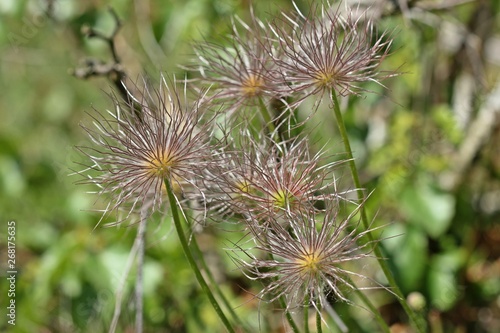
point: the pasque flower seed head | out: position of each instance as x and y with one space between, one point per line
305 259
325 52
151 138
267 178
239 73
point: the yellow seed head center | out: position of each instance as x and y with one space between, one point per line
282 198
325 79
310 262
243 186
252 86
160 164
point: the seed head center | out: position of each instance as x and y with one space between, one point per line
160 164
325 79
281 198
252 86
310 262
243 186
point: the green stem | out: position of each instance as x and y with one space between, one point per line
281 299
306 314
268 120
139 287
189 255
371 307
215 285
318 320
288 316
361 197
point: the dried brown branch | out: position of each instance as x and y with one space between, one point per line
90 32
114 70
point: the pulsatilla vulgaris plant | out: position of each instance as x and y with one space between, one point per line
239 73
303 259
326 52
262 178
153 137
305 243
155 146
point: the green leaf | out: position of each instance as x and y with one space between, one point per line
427 207
115 260
153 277
442 282
407 247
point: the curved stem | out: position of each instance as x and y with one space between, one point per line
288 316
120 290
361 197
189 255
318 320
371 307
306 314
204 266
336 318
268 120
283 305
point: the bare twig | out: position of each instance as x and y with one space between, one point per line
92 33
114 70
139 288
121 285
136 253
50 9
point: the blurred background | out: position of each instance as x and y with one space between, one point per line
428 145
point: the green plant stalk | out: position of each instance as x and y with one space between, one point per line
268 120
189 255
318 320
306 314
288 316
274 135
139 288
364 219
282 302
214 284
371 307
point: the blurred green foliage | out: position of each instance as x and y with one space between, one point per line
441 240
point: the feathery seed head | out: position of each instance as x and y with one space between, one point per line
306 259
239 71
152 138
332 51
270 178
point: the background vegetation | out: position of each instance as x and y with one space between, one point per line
428 146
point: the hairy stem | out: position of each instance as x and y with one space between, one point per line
361 197
318 320
371 307
120 290
213 283
283 305
306 314
190 258
268 120
288 316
